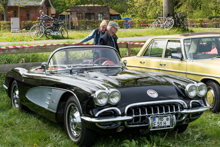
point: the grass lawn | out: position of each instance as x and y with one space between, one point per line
29 129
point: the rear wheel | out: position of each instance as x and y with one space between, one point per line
212 98
75 126
64 32
36 31
154 24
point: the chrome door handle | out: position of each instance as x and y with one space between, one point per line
162 64
142 62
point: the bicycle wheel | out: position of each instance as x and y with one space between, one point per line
48 33
154 24
169 23
36 31
64 32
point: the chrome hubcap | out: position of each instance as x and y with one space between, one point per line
75 121
15 97
210 97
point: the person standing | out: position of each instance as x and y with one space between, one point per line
110 38
96 34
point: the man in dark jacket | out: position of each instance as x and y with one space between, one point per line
110 38
96 34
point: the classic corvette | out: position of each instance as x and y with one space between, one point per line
90 90
195 55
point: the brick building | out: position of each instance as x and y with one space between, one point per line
27 10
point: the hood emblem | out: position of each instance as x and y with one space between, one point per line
152 93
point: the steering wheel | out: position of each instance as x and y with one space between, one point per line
100 59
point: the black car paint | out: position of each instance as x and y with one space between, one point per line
129 83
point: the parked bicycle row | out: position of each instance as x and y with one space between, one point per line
168 21
40 29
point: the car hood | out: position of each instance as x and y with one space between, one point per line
133 85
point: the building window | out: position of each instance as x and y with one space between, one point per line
28 15
100 16
79 16
90 16
3 16
15 13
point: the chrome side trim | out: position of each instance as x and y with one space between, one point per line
106 119
158 102
107 109
193 73
4 86
157 68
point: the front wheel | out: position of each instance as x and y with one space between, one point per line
15 98
154 24
75 126
64 32
36 31
169 24
48 33
212 98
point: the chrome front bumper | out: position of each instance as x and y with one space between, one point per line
127 118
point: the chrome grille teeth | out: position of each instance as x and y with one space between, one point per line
163 109
168 109
141 114
152 110
146 110
178 108
158 110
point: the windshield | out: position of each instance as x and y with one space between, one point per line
202 48
71 58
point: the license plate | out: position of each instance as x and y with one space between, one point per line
161 121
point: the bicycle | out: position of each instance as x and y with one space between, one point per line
55 29
38 30
180 21
167 23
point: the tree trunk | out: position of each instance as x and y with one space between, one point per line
168 8
5 13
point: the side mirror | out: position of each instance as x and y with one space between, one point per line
44 65
125 62
176 56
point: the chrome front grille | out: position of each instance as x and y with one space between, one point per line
141 113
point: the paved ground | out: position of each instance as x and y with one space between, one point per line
131 39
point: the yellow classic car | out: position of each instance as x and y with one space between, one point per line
193 55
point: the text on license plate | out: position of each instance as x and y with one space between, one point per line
161 121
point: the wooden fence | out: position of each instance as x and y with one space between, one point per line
4 68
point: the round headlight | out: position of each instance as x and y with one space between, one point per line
202 89
114 97
101 98
191 90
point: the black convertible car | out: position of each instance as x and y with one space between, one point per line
91 91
